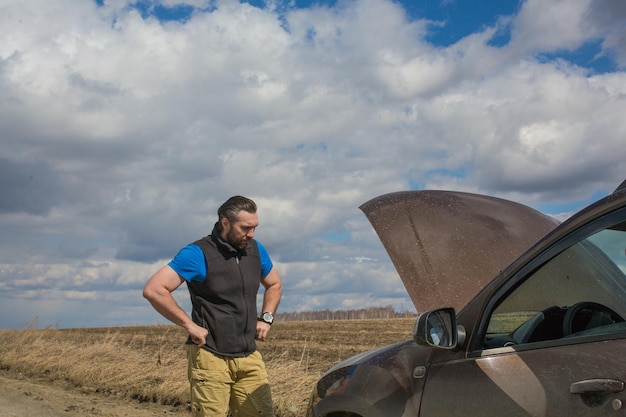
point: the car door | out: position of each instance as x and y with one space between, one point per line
551 341
576 380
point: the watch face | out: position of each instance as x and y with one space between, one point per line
268 317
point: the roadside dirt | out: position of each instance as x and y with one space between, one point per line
28 398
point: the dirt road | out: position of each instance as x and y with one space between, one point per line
27 398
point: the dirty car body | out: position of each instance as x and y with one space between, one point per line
521 316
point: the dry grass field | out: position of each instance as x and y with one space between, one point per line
148 363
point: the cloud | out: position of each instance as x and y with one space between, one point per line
29 187
123 133
608 17
567 24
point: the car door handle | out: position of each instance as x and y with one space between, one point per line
596 385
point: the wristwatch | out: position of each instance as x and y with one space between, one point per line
267 317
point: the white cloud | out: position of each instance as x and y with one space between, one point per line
550 26
123 134
567 24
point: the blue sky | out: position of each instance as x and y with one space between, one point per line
126 124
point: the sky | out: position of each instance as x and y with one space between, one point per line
125 124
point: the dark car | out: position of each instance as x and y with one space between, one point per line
521 316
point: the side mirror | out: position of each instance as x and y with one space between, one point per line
438 328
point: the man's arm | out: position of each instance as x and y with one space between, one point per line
158 291
271 298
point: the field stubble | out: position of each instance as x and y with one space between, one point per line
148 364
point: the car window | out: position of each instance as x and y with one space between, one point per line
579 292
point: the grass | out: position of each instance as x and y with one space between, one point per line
148 363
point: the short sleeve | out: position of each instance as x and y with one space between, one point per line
266 262
189 263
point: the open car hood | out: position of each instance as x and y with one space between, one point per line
446 246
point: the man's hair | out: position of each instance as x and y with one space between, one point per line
233 206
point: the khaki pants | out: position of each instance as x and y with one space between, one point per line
219 383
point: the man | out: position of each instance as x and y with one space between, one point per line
223 272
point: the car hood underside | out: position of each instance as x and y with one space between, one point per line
446 246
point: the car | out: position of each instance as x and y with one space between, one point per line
519 314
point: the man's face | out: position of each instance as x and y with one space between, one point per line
239 232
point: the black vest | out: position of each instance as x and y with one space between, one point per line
225 302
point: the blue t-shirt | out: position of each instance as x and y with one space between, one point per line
189 263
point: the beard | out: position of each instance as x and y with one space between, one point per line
235 241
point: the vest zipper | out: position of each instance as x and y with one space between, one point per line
243 296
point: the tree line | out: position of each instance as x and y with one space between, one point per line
387 312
